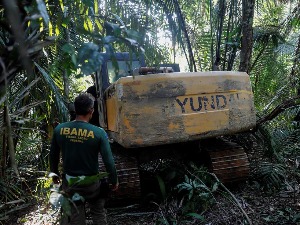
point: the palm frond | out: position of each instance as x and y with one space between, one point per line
60 101
22 94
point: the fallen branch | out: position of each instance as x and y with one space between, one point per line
278 109
11 202
3 216
135 214
232 195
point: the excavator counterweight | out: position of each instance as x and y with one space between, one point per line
148 112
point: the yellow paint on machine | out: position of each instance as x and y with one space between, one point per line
159 109
112 117
205 123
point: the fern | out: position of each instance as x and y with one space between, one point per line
270 175
280 139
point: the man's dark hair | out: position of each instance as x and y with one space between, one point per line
83 103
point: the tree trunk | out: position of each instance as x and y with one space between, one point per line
4 151
247 35
65 74
221 15
10 142
296 70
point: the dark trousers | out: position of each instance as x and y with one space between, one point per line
91 194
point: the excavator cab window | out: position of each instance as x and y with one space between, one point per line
126 62
125 69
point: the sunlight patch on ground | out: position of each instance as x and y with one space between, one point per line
42 215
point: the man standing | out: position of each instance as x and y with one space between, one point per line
80 143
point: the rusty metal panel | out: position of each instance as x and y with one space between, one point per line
175 107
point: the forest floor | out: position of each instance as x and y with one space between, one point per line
255 206
262 209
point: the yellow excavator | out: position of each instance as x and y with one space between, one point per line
151 113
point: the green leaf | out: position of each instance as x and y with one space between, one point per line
112 29
268 219
66 206
63 111
43 10
98 24
296 218
68 48
191 193
196 216
215 187
86 180
65 22
73 58
186 178
161 186
88 25
109 39
295 22
89 3
133 34
89 59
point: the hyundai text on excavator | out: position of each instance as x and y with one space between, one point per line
149 113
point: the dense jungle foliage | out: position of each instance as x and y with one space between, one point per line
49 47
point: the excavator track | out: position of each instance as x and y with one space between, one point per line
228 160
129 181
224 158
128 176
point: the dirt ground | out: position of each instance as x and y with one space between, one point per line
281 208
256 207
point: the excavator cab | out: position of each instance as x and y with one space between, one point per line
122 64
